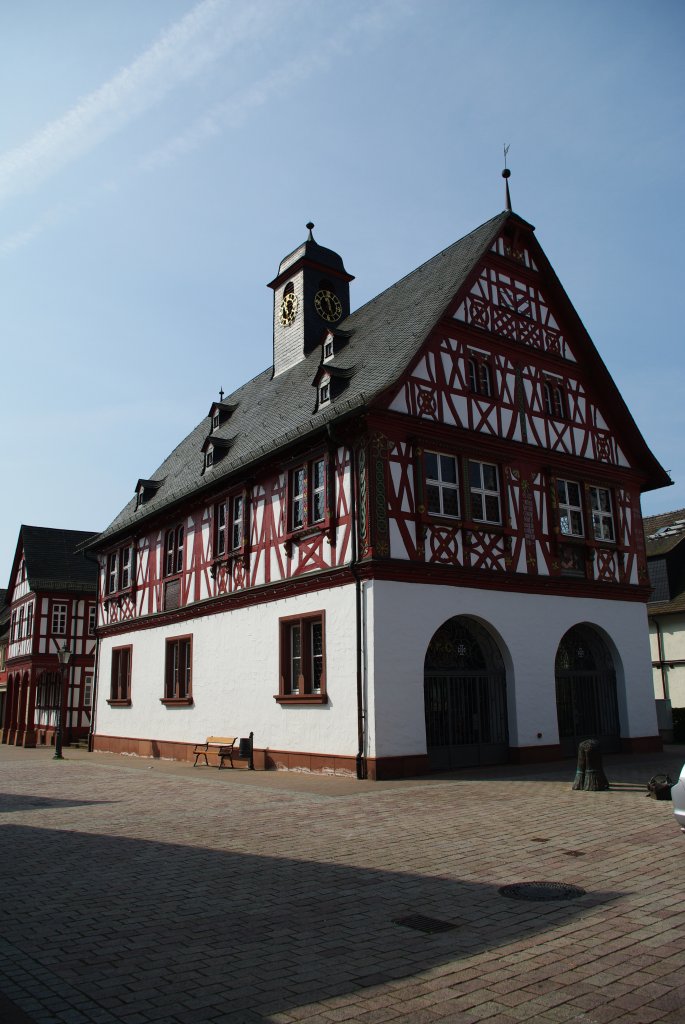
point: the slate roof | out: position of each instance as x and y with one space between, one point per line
54 560
4 614
384 335
273 412
664 532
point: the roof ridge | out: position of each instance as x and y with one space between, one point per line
504 214
661 515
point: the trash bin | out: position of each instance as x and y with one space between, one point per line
589 771
245 750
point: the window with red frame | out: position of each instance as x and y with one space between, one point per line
555 401
231 525
308 494
220 530
303 659
119 570
173 551
480 377
178 670
120 680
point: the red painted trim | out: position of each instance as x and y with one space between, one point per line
641 744
228 602
303 261
397 570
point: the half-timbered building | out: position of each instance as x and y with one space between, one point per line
665 539
4 640
52 600
413 542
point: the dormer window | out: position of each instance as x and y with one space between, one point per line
328 349
213 450
146 490
220 412
325 393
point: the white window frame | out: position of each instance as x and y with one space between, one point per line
567 508
443 486
601 517
483 492
318 491
59 619
237 522
297 502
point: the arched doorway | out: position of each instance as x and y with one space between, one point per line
587 703
465 697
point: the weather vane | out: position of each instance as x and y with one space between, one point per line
506 174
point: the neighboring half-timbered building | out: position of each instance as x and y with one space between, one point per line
4 640
413 542
52 600
665 538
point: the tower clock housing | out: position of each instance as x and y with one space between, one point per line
311 295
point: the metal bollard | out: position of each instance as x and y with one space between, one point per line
589 771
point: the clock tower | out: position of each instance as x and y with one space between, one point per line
311 294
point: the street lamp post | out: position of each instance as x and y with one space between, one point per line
64 657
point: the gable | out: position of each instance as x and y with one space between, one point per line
511 302
19 583
510 359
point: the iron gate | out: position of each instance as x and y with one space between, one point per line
587 708
466 718
587 703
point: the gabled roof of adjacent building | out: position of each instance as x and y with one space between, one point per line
271 413
54 559
4 614
664 532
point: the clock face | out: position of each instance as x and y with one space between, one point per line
288 309
327 305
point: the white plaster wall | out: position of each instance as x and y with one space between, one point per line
528 629
673 648
235 666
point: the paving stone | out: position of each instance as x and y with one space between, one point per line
178 896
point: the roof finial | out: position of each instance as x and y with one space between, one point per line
310 228
506 174
221 394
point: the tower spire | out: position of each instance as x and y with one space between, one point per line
506 174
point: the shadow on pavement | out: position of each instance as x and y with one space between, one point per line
14 802
118 926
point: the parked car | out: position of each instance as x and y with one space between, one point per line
678 798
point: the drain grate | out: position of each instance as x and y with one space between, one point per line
542 891
430 925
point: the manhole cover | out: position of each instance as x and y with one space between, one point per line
542 891
425 924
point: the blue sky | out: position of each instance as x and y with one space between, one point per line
158 159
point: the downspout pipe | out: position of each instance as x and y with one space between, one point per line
360 761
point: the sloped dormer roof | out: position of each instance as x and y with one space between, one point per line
384 335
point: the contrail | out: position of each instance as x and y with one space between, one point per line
184 50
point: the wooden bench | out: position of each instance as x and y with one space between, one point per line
225 749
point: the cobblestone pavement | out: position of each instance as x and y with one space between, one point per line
135 891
